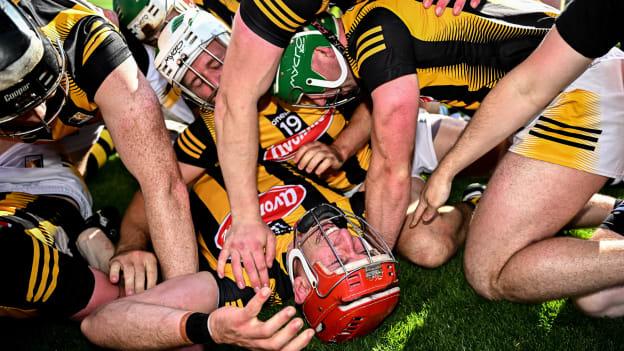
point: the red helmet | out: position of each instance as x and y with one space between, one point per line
355 298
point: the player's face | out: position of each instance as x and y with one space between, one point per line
348 247
325 63
205 72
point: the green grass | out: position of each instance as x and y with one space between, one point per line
438 310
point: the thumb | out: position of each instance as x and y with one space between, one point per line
254 306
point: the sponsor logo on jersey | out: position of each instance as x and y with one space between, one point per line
286 149
275 204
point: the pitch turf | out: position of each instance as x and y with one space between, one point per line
438 310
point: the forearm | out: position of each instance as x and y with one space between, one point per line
387 198
171 229
117 326
356 134
237 146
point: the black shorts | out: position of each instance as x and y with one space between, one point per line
37 278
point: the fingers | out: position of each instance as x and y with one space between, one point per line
252 266
300 342
113 274
429 214
128 276
420 209
301 152
151 269
269 250
459 5
323 166
475 3
139 279
263 272
279 320
279 338
427 3
441 5
255 304
223 256
237 269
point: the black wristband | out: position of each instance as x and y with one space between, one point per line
197 329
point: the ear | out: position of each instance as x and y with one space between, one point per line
301 288
326 51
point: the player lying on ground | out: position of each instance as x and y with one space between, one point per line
335 266
55 250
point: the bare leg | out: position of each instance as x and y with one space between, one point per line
511 252
594 212
431 244
608 302
103 292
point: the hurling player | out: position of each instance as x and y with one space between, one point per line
563 154
63 65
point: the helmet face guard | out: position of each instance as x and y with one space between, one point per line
145 18
295 77
32 73
355 298
182 42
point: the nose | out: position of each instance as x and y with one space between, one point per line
344 244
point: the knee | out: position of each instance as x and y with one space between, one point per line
481 277
426 247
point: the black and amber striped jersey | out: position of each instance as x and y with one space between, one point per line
277 20
458 59
223 9
93 48
592 29
36 260
284 197
283 130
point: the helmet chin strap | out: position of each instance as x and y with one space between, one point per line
344 70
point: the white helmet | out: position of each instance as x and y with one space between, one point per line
181 42
145 18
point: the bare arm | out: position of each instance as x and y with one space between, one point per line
156 319
395 114
132 114
357 133
517 98
243 82
139 266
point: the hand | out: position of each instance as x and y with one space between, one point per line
241 327
433 196
318 157
253 245
139 268
441 5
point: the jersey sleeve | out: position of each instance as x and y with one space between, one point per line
591 28
196 145
277 20
383 49
97 50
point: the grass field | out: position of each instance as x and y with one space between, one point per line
438 310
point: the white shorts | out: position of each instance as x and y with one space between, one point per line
37 169
583 127
425 160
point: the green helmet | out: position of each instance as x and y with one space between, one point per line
295 76
145 18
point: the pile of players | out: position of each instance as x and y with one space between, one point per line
288 132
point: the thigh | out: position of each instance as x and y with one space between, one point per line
526 201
